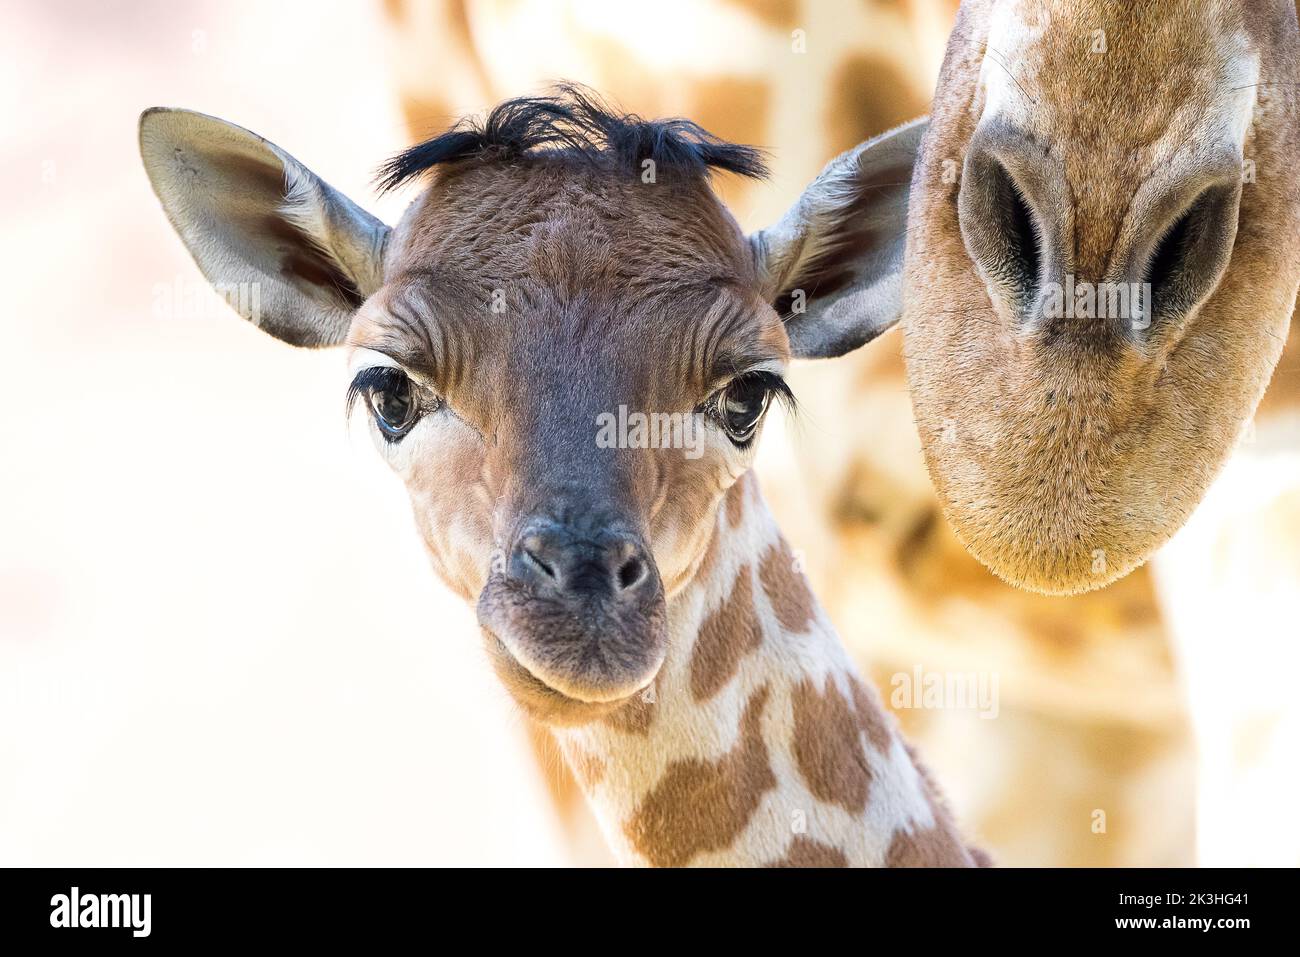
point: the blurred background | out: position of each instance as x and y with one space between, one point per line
220 642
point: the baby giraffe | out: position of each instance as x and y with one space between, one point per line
566 349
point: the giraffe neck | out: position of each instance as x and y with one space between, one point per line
758 744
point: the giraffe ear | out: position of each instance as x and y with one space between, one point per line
833 265
293 255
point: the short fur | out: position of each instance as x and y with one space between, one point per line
1065 453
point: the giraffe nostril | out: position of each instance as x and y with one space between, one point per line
560 562
532 549
1002 227
631 573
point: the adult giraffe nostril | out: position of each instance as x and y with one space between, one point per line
1006 225
1182 257
1012 254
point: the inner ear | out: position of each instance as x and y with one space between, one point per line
310 268
833 264
302 256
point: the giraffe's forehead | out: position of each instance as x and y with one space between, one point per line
521 273
1133 83
1119 94
547 217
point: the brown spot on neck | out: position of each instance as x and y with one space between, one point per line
786 588
805 852
636 716
730 632
700 806
828 744
937 846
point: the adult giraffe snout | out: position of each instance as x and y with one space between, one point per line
1100 270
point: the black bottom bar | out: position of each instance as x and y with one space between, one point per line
335 907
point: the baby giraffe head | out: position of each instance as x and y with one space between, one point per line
565 348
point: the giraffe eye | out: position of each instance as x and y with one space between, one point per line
739 407
391 398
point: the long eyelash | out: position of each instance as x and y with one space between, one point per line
375 377
772 382
777 386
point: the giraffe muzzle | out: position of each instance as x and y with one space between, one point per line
1045 268
575 619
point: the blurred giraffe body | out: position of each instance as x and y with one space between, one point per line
1093 715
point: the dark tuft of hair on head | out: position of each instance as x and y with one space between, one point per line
574 121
